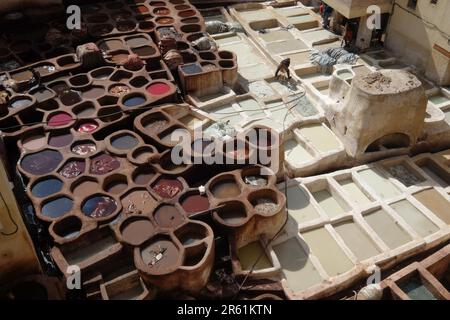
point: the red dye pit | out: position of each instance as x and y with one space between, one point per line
158 89
59 119
87 127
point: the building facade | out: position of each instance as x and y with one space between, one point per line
419 33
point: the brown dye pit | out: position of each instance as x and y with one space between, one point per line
34 142
137 202
186 13
93 93
143 176
225 189
22 76
143 154
195 203
85 188
116 187
126 25
119 58
233 213
136 41
165 20
42 94
161 11
160 256
111 45
137 231
144 51
167 188
168 216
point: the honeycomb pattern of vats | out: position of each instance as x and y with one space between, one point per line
125 17
165 129
88 101
117 49
247 202
76 182
47 41
170 251
80 185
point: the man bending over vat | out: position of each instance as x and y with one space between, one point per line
283 67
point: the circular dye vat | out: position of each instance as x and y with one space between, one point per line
195 203
59 119
103 164
265 206
144 51
21 102
134 101
116 187
87 127
93 93
225 189
167 188
42 95
102 73
73 169
34 142
124 142
68 228
141 9
57 207
161 11
156 125
22 76
119 89
84 149
41 163
69 98
99 207
137 231
136 41
59 87
168 216
111 45
45 69
119 58
158 88
59 141
85 189
45 188
160 256
255 181
165 20
143 154
126 25
143 176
